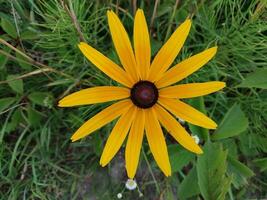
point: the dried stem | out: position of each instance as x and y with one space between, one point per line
71 13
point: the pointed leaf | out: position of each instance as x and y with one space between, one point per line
256 79
211 171
189 186
16 85
9 27
233 123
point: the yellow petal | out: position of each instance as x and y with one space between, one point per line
191 89
134 143
156 141
187 113
169 51
176 130
141 44
94 95
122 44
186 67
117 136
105 65
102 118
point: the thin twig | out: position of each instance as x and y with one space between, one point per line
151 172
171 20
15 49
73 18
153 15
38 71
134 6
18 105
41 67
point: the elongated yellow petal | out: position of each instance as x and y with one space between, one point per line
191 89
141 44
156 141
169 51
105 65
118 135
102 118
94 95
186 67
122 45
134 143
176 130
187 113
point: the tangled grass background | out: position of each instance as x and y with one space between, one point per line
40 63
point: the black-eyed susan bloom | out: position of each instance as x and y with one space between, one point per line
145 100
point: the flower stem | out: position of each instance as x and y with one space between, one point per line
151 172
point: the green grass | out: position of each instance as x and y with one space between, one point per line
37 159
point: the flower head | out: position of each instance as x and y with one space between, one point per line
146 98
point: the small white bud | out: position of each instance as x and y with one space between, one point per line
119 195
130 184
196 138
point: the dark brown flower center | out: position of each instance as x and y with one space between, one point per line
144 94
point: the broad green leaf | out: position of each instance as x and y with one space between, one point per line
179 157
261 163
256 79
9 27
34 116
233 123
239 171
29 35
6 102
189 186
203 133
211 171
15 120
42 98
20 60
16 85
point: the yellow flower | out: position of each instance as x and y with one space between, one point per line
146 97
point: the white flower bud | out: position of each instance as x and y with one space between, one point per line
130 184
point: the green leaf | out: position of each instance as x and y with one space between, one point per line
20 60
3 58
256 79
155 46
239 171
16 85
189 186
179 157
15 120
233 123
29 35
261 163
97 144
6 102
211 171
9 27
198 103
34 116
42 99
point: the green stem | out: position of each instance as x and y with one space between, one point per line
151 172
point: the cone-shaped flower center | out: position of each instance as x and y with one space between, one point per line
144 94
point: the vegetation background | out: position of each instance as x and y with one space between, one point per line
40 63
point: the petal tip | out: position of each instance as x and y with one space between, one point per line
199 151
